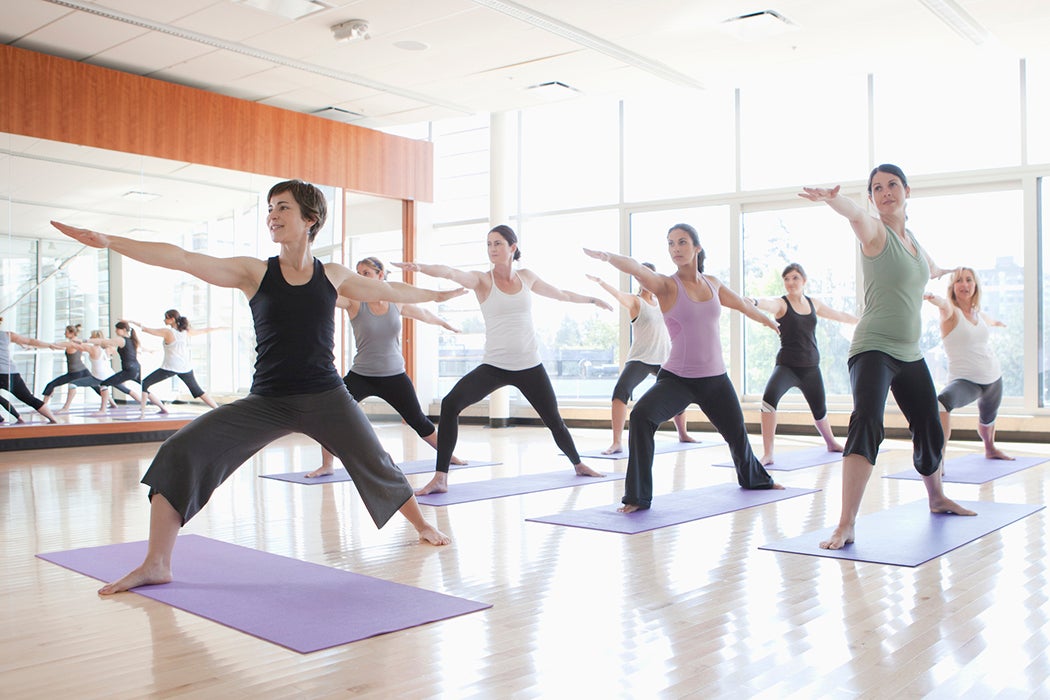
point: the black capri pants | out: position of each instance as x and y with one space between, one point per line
807 379
534 385
961 392
634 372
159 375
396 390
872 375
14 383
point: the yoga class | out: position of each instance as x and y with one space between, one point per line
647 350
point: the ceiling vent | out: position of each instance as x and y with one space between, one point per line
553 90
338 114
758 25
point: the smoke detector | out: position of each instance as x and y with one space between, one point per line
351 30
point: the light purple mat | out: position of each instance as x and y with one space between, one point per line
661 448
910 534
512 486
672 509
791 460
302 606
170 415
419 466
974 469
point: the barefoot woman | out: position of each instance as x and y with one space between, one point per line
296 387
884 355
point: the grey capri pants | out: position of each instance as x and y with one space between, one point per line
193 462
633 373
872 375
961 392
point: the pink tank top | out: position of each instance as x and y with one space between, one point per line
696 348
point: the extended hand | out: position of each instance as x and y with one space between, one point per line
597 254
449 294
409 266
819 194
92 239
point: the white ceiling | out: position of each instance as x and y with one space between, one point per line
482 57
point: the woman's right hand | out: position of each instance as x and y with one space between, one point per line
597 254
819 194
92 239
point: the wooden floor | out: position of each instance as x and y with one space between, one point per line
694 610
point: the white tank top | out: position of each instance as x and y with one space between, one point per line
651 343
177 353
510 336
969 354
101 368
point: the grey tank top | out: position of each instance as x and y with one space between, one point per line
378 342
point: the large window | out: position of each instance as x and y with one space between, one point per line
678 145
1044 296
822 242
461 169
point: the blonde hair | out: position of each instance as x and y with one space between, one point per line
956 273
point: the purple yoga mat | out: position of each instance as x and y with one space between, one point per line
661 448
791 460
672 509
974 469
302 606
135 416
511 486
910 534
419 466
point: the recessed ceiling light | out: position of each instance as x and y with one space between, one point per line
290 9
553 90
140 196
410 45
955 17
758 25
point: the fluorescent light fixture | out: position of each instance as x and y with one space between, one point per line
140 196
289 9
955 17
758 25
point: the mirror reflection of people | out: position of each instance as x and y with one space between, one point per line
295 388
885 355
176 335
11 380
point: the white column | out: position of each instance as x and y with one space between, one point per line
500 179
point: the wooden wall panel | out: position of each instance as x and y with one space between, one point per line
54 98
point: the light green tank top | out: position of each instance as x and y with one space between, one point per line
894 281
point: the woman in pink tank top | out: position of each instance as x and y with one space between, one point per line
695 372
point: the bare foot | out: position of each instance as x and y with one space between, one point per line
431 535
841 537
583 470
613 449
457 461
439 484
162 409
777 487
62 410
686 438
947 505
145 575
629 508
321 471
101 412
836 447
46 413
766 460
996 453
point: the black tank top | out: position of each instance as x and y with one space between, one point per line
798 337
294 334
129 356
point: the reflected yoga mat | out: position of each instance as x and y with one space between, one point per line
791 460
512 486
672 509
974 469
298 605
661 448
910 534
137 415
419 466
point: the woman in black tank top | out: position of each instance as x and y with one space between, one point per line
296 387
798 362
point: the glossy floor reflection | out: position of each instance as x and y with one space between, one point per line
690 610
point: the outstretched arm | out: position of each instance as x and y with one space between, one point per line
365 289
992 321
420 314
942 304
656 283
825 311
549 290
165 332
731 300
628 301
27 342
871 235
202 331
771 305
236 273
468 279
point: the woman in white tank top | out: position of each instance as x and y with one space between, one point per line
512 356
974 373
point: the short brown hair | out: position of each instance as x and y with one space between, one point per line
310 199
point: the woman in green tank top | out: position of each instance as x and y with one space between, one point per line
885 355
